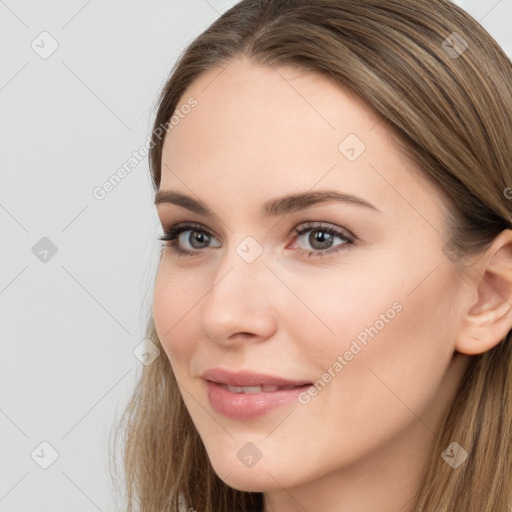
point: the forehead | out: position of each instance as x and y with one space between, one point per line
258 131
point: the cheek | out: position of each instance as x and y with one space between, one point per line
355 302
385 319
394 339
385 302
174 299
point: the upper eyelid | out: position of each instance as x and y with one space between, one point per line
307 225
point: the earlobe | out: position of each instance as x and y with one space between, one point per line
489 319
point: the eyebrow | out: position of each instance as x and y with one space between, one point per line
272 207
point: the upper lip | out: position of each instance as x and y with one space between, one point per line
248 378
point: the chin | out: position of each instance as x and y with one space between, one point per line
247 481
264 476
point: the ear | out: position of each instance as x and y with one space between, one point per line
489 319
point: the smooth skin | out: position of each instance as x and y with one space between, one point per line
363 441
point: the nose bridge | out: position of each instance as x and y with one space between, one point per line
242 277
240 298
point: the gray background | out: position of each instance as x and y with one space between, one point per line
70 320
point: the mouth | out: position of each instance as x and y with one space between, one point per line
253 390
247 395
247 380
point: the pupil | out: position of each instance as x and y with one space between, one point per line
322 237
199 236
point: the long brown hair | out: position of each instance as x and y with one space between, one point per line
452 108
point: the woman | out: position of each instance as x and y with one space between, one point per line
333 301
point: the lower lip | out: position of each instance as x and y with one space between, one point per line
241 406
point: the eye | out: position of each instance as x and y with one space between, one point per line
321 238
190 239
176 237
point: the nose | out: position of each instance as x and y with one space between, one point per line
240 304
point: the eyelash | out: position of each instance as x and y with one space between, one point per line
171 235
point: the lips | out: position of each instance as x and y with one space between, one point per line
247 379
250 390
246 395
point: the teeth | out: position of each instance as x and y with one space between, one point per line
268 388
250 390
234 389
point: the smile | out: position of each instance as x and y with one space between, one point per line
251 390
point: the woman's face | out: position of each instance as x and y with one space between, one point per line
356 309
